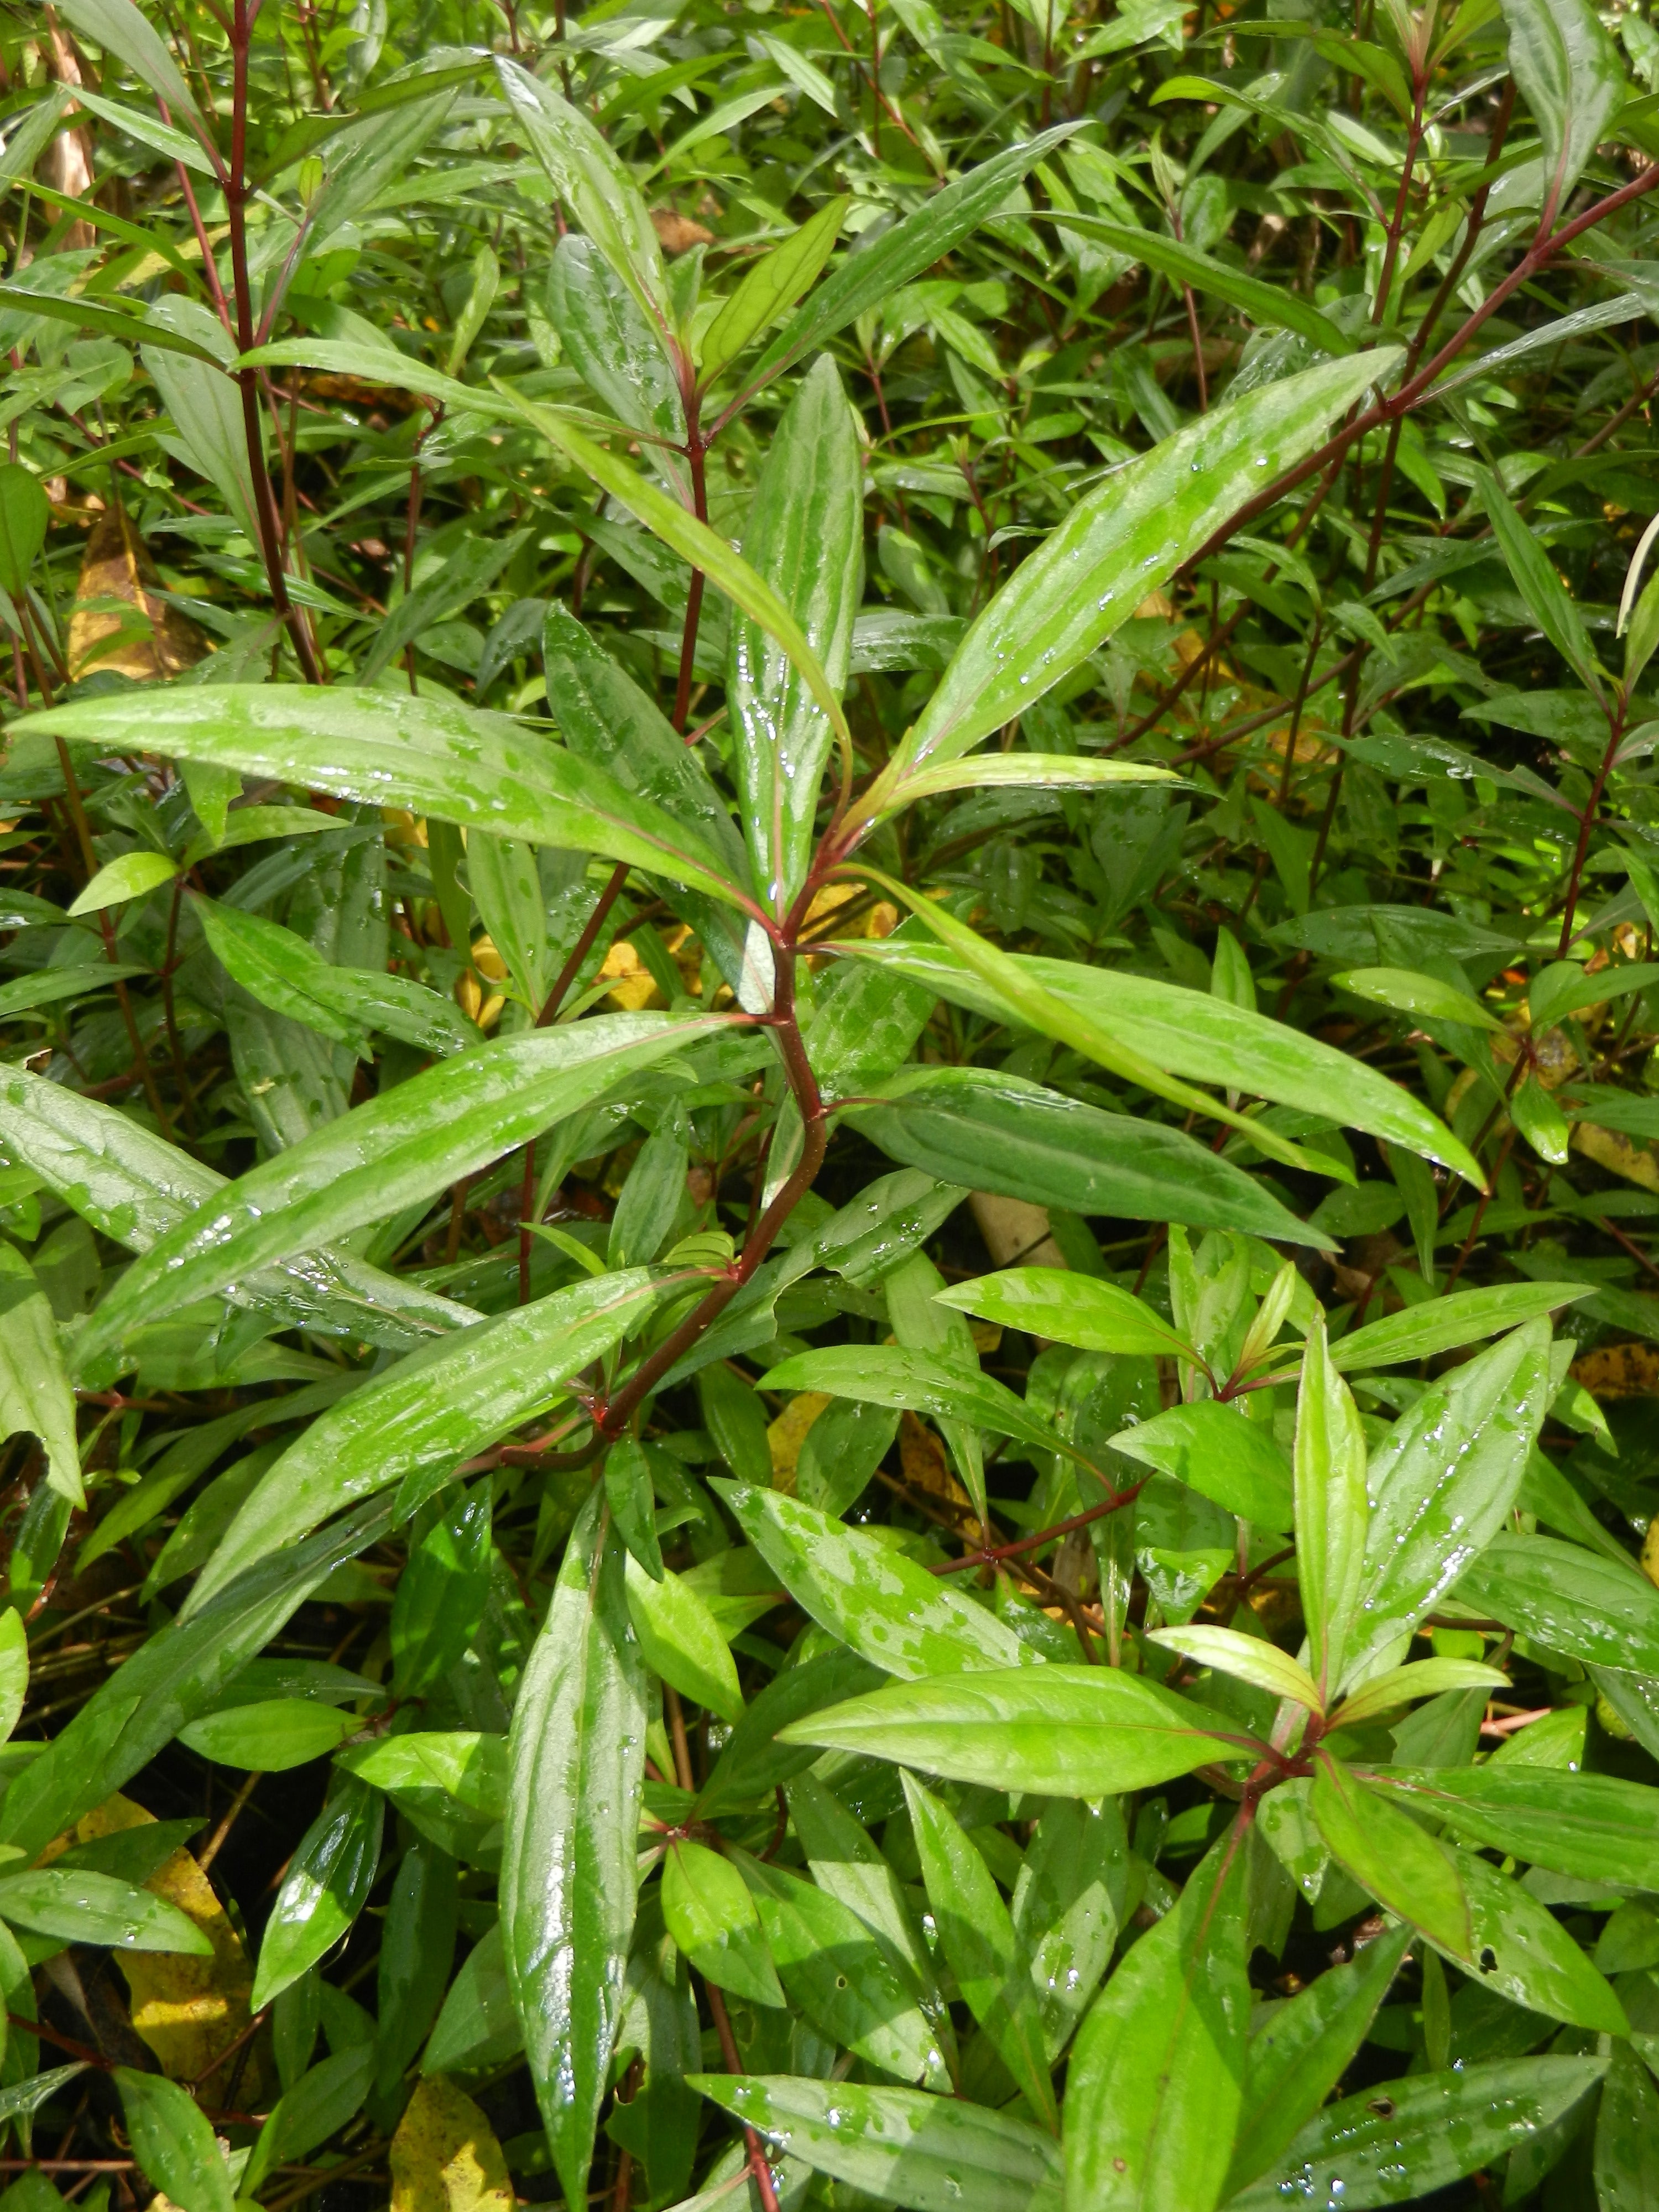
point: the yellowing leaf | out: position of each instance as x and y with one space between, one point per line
444 2157
119 623
1619 1371
787 1434
186 2009
1618 1154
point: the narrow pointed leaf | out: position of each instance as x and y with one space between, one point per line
1392 1859
1595 1825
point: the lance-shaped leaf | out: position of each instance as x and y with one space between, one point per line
867 278
992 1131
431 1412
770 287
80 1906
1251 1658
1445 1324
916 1381
1079 1309
1304 2049
1152 2088
118 27
435 757
396 1150
35 1397
1269 304
1058 1731
181 1671
1189 1033
1523 1955
804 539
891 1611
593 184
1217 1450
902 2146
172 2142
1595 1825
1540 587
847 1980
325 1887
568 1867
1332 1510
1567 1599
1393 1859
708 1910
1569 72
1424 1678
694 542
278 967
976 1934
1124 539
1442 1484
1397 2142
681 1640
1017 772
133 1188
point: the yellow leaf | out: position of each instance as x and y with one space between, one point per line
1618 1153
1016 1232
186 2009
788 1433
119 623
1619 1371
444 2156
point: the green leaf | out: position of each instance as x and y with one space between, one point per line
1540 586
1331 1510
1119 543
847 1982
805 539
1058 1731
325 1888
845 1861
920 1381
888 1609
172 2143
1220 1451
181 1671
1593 1825
279 968
442 1594
132 1187
681 1640
1407 1872
902 2146
1523 1954
592 184
419 1419
629 1494
1191 1033
1445 1324
25 518
14 1670
1411 993
398 1148
770 287
84 1907
1426 1678
47 987
992 1131
318 2106
1265 304
268 1738
118 27
1398 2141
35 1397
1152 2088
1442 1484
1079 1309
434 756
478 2025
977 1934
708 1910
1023 772
1570 75
417 1951
866 279
1302 2051
1567 1599
694 541
1249 1658
1626 2136
617 349
752 1763
568 1867
128 878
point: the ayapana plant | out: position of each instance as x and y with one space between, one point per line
742 884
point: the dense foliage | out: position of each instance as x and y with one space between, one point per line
830 1124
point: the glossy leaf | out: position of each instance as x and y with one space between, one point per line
325 1888
681 1640
1523 1953
1567 1599
1059 1731
708 1910
568 1868
1426 1678
268 1738
805 539
1333 1511
936 2154
1595 1825
1080 1309
36 1398
919 1381
1152 2089
1248 1658
402 1147
1445 1324
1569 71
1421 2133
1219 1451
84 1907
888 1609
769 288
172 2143
1392 1859
1265 304
128 877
